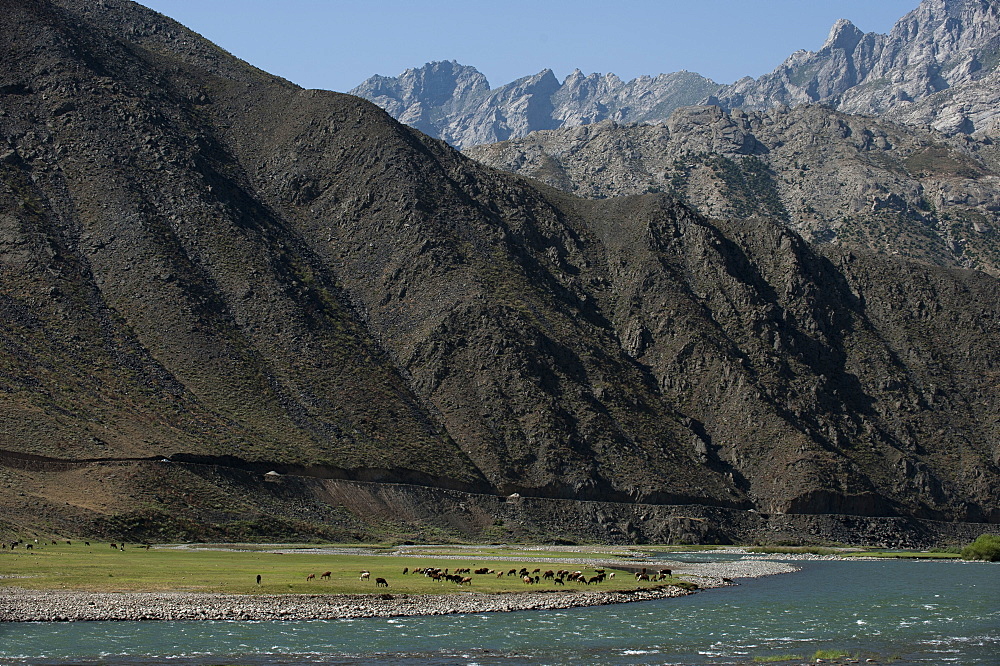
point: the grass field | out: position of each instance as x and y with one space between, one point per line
99 568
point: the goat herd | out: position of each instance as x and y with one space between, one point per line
29 545
463 575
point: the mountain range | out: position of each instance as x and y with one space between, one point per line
233 308
455 102
937 66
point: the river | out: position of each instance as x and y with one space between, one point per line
903 612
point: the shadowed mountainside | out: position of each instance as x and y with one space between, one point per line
202 262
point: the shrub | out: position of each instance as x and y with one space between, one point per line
986 547
830 654
777 658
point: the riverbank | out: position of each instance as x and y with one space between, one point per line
25 605
21 605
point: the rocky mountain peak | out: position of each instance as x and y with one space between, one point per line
936 66
843 35
454 102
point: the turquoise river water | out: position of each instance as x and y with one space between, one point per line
903 612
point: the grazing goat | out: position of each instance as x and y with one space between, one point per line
365 575
381 582
310 577
325 574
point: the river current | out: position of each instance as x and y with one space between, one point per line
903 612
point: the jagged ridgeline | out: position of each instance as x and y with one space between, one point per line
208 274
939 66
455 102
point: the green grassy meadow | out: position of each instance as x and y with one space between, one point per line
98 568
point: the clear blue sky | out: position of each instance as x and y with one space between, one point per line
336 44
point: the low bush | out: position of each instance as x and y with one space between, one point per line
986 547
830 654
774 659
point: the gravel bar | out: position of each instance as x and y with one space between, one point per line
24 605
21 605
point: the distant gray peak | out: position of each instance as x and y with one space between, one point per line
933 67
937 66
843 35
455 102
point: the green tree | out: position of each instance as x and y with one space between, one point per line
986 547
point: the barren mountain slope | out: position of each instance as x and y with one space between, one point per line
856 181
206 265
